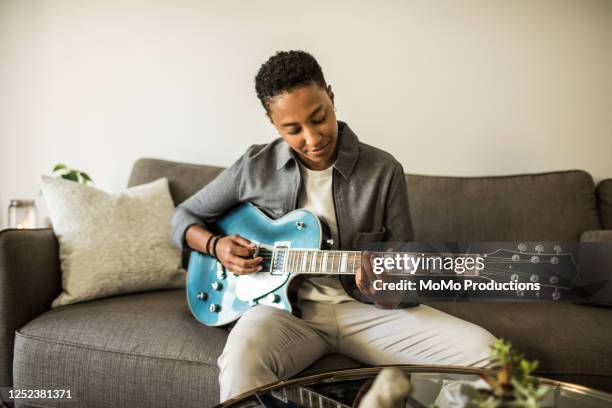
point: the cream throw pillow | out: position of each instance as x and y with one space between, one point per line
112 243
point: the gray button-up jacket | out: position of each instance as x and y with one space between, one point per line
368 186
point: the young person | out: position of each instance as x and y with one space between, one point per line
318 163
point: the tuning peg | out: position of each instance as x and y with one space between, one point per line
539 248
557 249
522 247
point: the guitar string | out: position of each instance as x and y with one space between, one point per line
298 258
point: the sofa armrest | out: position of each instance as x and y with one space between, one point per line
30 278
596 236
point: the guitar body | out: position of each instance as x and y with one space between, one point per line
217 297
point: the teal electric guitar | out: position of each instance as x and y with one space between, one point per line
290 244
293 247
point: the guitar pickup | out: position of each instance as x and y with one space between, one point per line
280 256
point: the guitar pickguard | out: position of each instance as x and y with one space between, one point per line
256 285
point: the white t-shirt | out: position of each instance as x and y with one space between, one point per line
316 195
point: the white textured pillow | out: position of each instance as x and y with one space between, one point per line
112 243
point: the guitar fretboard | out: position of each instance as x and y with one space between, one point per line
322 262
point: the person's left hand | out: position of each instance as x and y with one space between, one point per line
364 279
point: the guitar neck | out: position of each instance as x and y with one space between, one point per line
324 262
319 262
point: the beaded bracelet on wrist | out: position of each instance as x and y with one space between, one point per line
207 251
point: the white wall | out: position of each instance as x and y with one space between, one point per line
449 87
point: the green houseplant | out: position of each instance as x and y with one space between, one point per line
61 170
513 386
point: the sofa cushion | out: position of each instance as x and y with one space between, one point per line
184 179
604 198
555 206
112 243
571 342
142 350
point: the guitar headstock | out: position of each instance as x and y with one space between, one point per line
547 264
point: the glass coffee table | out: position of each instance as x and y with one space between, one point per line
339 389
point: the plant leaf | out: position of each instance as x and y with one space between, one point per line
85 177
59 166
71 176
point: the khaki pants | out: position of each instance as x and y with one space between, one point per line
268 344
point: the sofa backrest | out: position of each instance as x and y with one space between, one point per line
556 206
604 198
184 178
539 207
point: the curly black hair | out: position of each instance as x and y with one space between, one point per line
286 71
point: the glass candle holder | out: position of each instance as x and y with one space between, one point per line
22 214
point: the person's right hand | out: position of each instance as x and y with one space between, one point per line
235 253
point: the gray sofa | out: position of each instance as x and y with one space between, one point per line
146 349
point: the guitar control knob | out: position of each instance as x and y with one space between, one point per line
299 225
202 296
216 285
214 308
273 298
